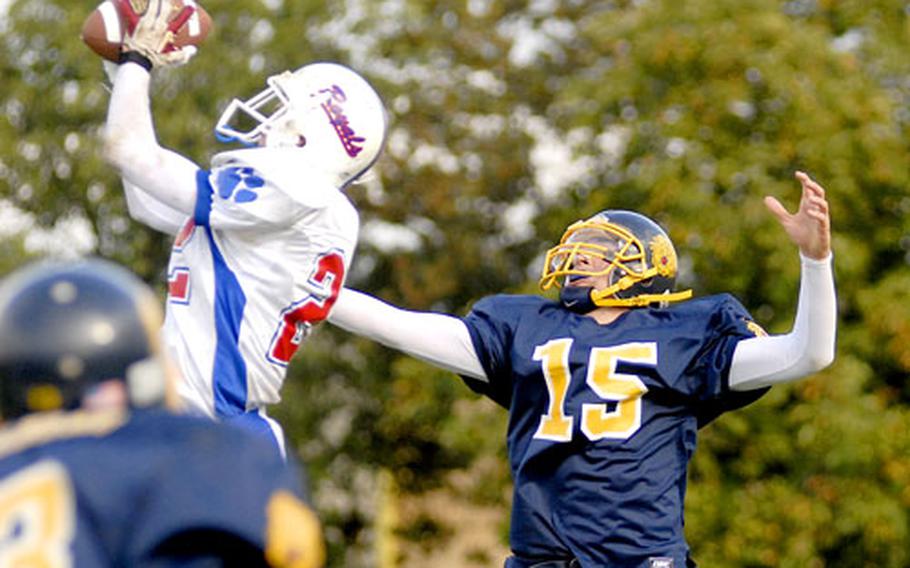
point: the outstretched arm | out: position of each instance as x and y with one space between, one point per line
439 339
810 346
130 144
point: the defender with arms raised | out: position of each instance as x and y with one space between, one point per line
607 387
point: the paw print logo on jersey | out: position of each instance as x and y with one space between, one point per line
239 184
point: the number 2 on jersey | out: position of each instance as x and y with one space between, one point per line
625 390
297 319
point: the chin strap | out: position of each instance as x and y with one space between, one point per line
582 299
605 299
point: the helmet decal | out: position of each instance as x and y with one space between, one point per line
333 109
664 256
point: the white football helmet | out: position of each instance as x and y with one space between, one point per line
328 111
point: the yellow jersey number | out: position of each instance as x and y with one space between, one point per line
624 389
37 517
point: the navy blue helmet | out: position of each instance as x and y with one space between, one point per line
66 327
637 257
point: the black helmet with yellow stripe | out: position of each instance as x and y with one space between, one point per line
637 258
67 327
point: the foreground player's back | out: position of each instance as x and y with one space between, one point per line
148 489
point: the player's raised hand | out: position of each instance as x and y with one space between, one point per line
152 33
810 227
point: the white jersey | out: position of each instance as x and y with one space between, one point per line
262 260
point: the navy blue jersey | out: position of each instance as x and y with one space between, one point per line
603 419
148 489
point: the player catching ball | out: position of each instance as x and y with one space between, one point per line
607 387
264 236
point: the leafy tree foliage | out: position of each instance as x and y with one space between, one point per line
510 120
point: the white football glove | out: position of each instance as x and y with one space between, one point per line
153 34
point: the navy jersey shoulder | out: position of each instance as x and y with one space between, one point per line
492 323
146 489
595 410
696 340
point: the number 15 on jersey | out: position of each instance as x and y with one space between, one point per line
623 389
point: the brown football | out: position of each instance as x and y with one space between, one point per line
104 28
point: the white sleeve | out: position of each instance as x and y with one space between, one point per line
439 339
131 146
763 361
143 207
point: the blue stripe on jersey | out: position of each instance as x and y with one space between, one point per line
229 369
203 198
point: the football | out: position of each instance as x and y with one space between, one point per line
104 28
